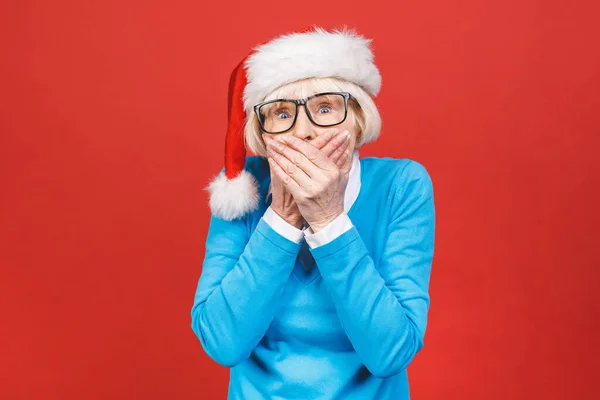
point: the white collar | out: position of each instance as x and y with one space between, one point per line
353 186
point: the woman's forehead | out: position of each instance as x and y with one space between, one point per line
303 89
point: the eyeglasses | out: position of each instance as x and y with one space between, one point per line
322 109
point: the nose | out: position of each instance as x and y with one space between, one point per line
303 129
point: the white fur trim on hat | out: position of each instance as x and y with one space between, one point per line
318 54
232 198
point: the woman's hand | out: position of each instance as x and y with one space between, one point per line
316 181
283 202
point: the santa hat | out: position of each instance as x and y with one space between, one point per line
309 53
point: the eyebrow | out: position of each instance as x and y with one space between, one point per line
307 97
280 102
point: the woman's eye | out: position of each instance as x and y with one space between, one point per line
282 115
324 109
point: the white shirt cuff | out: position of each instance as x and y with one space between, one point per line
335 228
281 226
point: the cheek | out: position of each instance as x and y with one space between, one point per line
351 125
353 129
353 137
352 145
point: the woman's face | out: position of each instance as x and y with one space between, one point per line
305 130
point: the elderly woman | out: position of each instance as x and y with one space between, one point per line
316 275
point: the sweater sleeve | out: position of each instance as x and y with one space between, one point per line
243 276
383 308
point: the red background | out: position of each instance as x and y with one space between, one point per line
113 116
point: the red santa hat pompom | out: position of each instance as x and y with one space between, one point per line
309 53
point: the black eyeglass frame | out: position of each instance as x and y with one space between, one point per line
302 102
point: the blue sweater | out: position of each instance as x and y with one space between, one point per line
345 329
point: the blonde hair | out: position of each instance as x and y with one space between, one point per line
366 115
